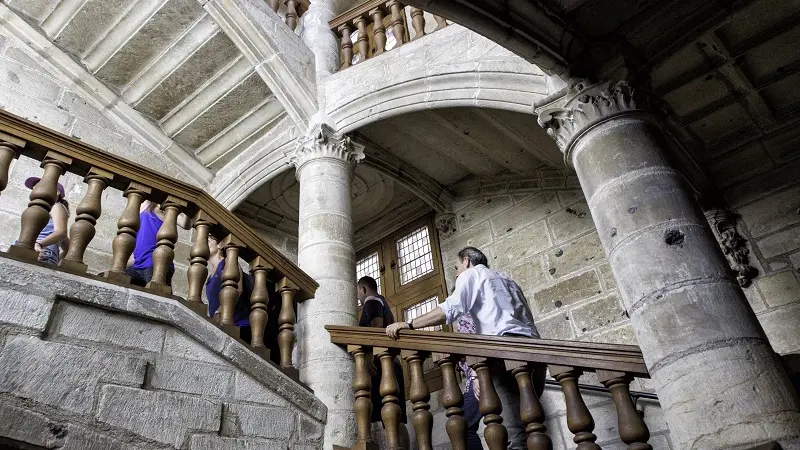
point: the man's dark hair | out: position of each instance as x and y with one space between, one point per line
369 283
474 256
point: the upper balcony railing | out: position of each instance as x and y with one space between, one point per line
376 27
293 11
615 365
59 154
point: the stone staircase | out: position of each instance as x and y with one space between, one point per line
88 365
196 69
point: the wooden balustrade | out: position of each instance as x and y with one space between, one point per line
100 170
294 9
374 17
615 365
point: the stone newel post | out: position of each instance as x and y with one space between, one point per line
719 382
325 162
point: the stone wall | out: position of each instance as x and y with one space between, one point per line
88 365
759 181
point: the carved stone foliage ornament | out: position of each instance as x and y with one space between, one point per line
322 141
733 244
446 224
585 106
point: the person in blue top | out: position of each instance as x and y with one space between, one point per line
140 265
241 312
53 237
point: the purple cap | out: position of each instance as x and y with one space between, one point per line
31 182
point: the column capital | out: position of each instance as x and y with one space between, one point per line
582 105
322 141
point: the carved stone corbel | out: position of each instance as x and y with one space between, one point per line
733 244
446 224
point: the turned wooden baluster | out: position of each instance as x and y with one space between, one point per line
346 45
362 390
231 276
418 22
258 301
421 418
166 237
88 211
286 321
397 21
198 257
10 148
441 22
632 429
489 404
291 14
390 411
362 43
579 419
127 226
378 30
37 214
531 411
274 4
450 397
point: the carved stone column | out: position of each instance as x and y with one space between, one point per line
325 161
317 35
718 381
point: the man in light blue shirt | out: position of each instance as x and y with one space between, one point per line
498 308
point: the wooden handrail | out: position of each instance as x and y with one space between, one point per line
39 140
587 356
354 13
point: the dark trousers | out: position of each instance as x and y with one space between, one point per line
140 277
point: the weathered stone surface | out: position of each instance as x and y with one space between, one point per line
621 335
576 255
256 421
786 241
182 346
781 326
310 429
62 375
89 323
754 298
528 275
556 327
25 310
80 438
246 388
525 212
207 442
190 377
162 416
772 213
566 292
608 277
483 209
521 245
598 314
779 289
572 221
27 426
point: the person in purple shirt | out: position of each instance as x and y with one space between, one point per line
241 312
140 265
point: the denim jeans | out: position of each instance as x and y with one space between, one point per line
140 277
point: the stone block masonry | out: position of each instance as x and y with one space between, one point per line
85 365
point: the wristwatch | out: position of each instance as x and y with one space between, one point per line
410 324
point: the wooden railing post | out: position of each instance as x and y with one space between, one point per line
495 434
418 22
390 411
198 257
231 276
419 395
164 254
632 429
397 21
378 30
451 398
43 196
579 419
10 148
127 226
346 44
286 321
291 14
274 4
531 411
362 390
88 211
441 22
363 40
258 301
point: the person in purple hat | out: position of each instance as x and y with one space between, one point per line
54 235
140 265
